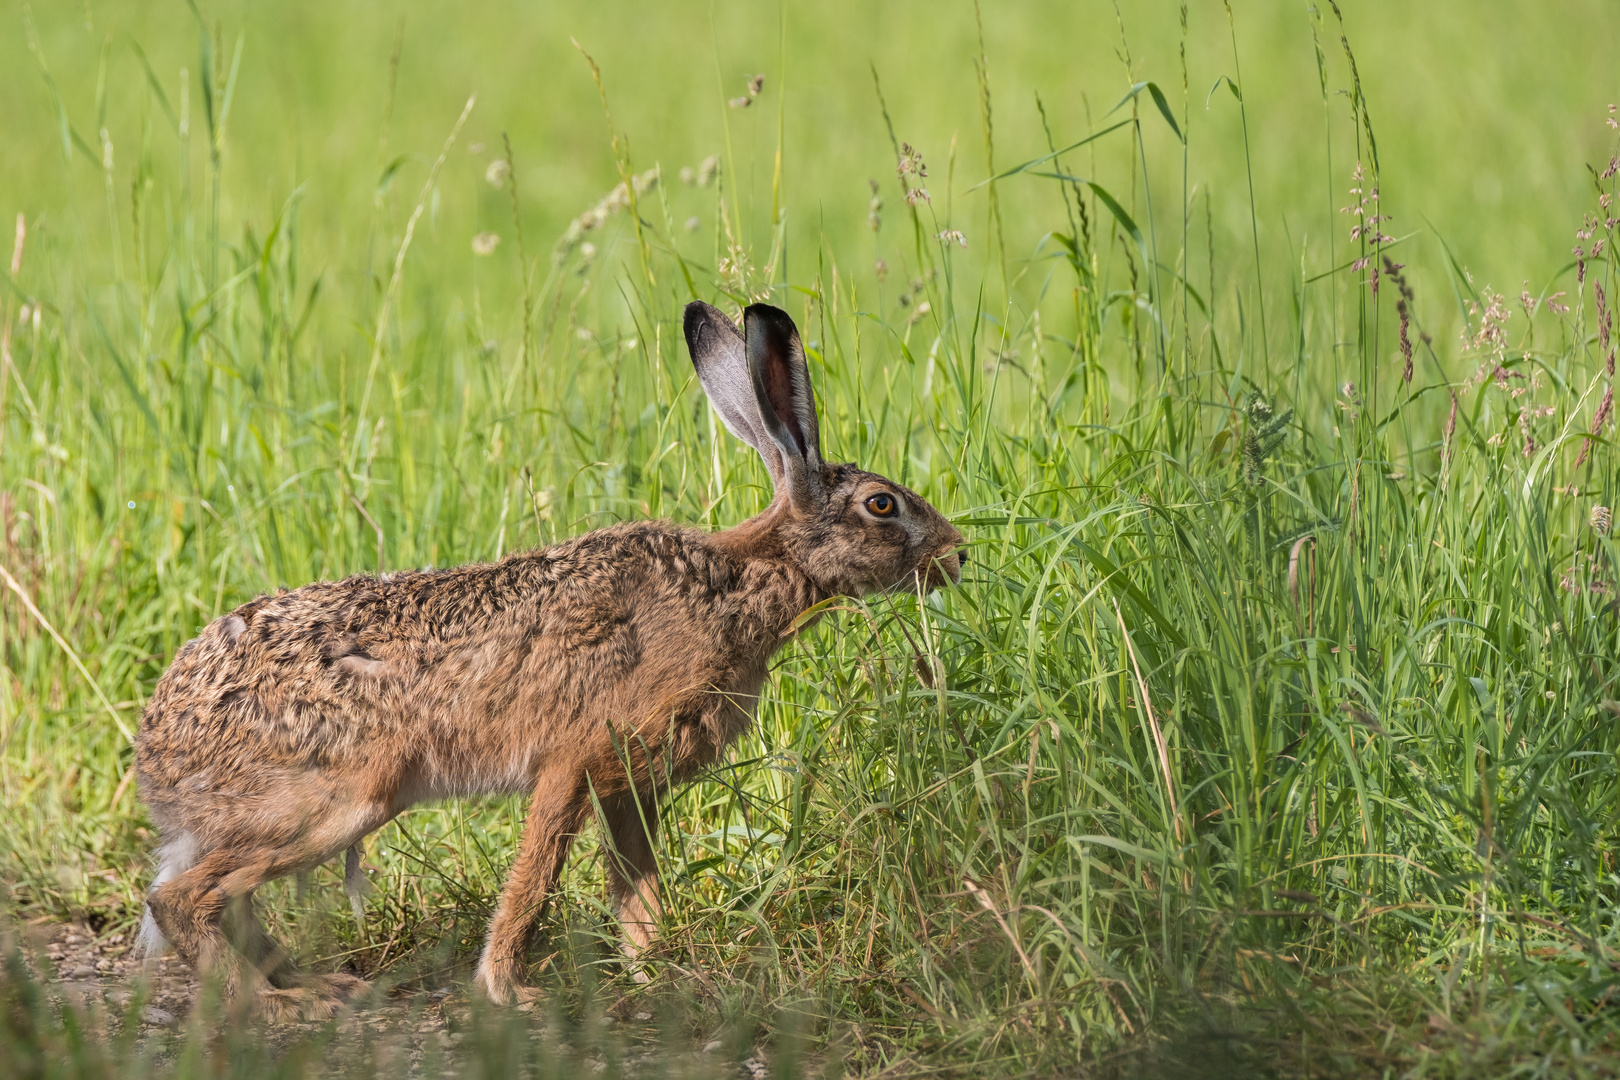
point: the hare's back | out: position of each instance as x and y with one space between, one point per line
296 675
338 671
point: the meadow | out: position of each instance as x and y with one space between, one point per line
1264 353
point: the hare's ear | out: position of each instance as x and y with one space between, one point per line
787 406
721 359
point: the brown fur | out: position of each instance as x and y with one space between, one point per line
619 662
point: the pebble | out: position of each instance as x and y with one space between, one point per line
154 1015
711 1046
83 971
643 1016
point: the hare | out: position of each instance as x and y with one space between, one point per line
607 668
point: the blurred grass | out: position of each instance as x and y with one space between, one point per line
1277 709
1482 110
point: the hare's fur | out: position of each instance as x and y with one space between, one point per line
614 664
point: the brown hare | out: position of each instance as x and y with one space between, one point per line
610 666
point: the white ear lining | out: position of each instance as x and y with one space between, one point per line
721 358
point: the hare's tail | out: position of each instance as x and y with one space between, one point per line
174 858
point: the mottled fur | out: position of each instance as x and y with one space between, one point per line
616 663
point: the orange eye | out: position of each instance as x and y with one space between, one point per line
883 505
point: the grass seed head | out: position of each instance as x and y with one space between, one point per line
1402 308
756 83
1603 316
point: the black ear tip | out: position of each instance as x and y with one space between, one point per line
692 322
698 316
696 313
773 317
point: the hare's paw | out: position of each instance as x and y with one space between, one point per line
337 987
280 1006
320 998
502 983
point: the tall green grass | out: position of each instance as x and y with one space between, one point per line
1278 701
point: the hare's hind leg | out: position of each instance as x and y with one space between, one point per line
207 910
202 910
188 910
248 937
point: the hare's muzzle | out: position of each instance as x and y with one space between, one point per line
944 569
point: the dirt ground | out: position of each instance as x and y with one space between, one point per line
416 1030
101 976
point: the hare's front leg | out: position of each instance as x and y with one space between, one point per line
556 812
633 870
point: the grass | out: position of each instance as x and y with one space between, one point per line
1276 714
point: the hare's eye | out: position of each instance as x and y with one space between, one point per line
882 505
